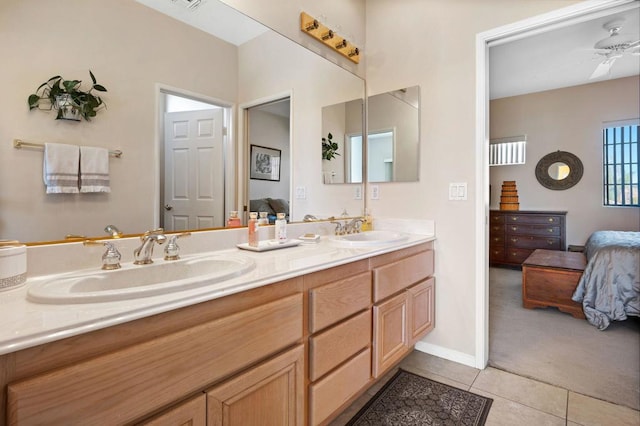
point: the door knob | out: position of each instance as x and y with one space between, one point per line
168 207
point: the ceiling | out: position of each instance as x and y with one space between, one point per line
560 57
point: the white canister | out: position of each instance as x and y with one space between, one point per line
13 266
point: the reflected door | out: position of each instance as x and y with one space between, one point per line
194 170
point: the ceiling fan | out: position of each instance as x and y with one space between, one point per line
614 47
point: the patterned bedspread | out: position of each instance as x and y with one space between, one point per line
609 288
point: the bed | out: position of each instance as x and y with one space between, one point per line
609 288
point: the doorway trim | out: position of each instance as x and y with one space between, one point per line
544 22
242 164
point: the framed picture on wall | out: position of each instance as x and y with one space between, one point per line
265 163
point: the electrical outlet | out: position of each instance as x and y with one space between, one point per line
357 195
375 192
301 192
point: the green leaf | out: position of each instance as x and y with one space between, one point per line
99 88
330 136
92 77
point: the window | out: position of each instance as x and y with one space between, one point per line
620 154
507 151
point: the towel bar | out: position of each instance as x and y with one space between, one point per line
17 144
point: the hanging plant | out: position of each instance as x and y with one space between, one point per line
329 148
66 96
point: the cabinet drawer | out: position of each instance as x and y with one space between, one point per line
533 219
330 393
517 255
496 240
496 219
541 230
496 229
332 347
156 371
529 242
338 300
396 276
496 254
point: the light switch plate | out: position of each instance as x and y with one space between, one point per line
458 191
301 192
375 192
357 194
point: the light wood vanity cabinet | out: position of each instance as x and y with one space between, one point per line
404 309
295 352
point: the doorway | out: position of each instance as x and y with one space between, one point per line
565 16
192 171
268 146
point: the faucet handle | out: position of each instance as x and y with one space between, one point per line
157 231
172 250
339 227
110 258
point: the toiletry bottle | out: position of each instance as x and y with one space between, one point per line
234 220
253 229
263 220
281 228
367 223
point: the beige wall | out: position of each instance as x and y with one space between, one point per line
431 43
129 48
567 120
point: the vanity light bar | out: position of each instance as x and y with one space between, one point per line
328 37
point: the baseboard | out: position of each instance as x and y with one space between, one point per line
448 354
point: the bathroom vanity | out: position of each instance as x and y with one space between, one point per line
296 349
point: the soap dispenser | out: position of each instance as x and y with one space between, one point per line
253 229
234 220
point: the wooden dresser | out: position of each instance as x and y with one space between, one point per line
514 235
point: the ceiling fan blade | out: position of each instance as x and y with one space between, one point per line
603 68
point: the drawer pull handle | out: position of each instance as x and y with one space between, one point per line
551 220
514 228
514 240
550 229
550 242
514 218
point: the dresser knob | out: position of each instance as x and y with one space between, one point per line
550 229
514 228
514 240
550 242
514 218
551 219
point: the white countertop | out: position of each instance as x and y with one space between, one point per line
26 324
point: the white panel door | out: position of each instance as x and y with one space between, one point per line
194 170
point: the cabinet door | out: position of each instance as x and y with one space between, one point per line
271 394
390 333
190 413
421 309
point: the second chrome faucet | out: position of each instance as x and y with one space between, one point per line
142 255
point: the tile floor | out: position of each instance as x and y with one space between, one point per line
516 400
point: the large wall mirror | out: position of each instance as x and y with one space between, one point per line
559 170
393 138
141 54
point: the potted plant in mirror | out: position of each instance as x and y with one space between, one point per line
329 148
68 98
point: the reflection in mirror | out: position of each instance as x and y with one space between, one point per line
393 138
137 50
344 123
558 170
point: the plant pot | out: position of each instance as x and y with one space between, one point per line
67 110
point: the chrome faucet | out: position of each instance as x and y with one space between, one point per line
142 255
353 226
339 227
172 250
113 231
110 258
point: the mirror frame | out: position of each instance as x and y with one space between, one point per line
575 170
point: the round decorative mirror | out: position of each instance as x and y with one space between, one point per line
559 170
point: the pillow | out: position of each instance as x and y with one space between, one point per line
279 205
261 205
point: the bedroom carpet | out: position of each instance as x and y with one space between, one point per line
556 348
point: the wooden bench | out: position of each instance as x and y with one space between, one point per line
549 278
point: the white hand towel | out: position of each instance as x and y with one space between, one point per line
60 168
94 169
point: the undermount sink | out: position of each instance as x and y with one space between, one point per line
369 238
134 281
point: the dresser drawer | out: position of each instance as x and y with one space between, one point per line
516 255
333 302
496 219
496 240
496 254
541 230
496 229
533 219
530 242
332 347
